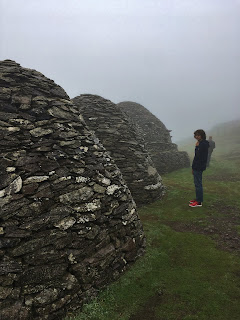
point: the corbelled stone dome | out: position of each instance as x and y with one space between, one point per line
163 152
121 138
68 223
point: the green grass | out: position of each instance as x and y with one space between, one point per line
195 279
219 180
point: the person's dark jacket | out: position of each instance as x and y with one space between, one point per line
201 154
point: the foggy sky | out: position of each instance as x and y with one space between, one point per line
178 58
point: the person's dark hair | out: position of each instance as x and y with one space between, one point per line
201 133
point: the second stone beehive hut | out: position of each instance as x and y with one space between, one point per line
163 152
121 138
68 223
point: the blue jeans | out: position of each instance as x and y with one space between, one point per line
198 185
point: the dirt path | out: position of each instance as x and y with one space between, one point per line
147 311
221 228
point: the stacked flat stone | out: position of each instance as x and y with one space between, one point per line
68 223
120 137
163 152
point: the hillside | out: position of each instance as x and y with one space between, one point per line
226 135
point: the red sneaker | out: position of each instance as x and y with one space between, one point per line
195 204
191 201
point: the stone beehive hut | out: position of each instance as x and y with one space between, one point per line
68 223
163 152
121 138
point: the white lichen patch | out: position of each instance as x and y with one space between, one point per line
66 143
20 121
78 195
111 189
10 169
89 206
65 178
40 132
84 149
1 230
153 186
13 129
2 193
93 206
132 211
97 147
29 301
152 171
72 259
106 181
15 186
19 153
82 179
46 295
65 223
83 219
36 179
80 117
71 281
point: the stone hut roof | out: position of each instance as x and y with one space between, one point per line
68 223
163 152
121 138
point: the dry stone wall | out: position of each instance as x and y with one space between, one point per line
68 223
121 138
163 152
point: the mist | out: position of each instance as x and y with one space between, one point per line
179 58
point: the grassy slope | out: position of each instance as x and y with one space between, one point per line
183 275
226 136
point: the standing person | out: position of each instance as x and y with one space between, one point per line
199 165
210 149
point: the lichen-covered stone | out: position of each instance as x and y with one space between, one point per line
63 203
157 139
121 138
